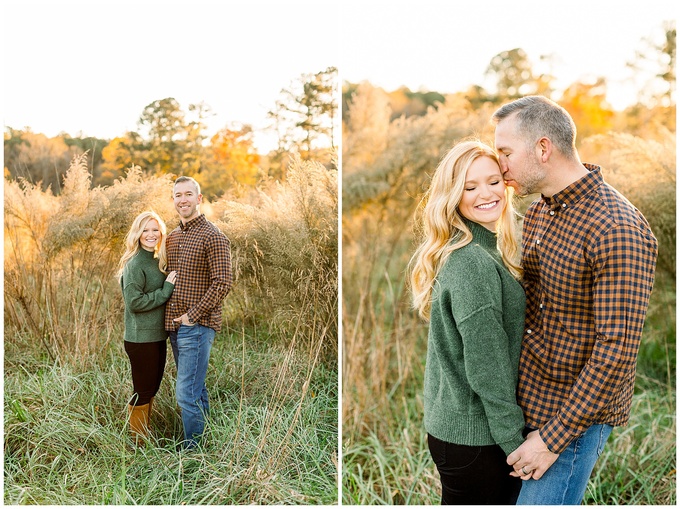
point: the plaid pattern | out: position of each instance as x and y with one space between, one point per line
589 258
200 254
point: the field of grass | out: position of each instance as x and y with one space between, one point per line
271 437
385 454
386 168
394 467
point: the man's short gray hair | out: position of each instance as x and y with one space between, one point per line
538 116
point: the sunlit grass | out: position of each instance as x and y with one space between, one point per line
66 440
387 166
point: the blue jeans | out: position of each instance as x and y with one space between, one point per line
566 480
191 348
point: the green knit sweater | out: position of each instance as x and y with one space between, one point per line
476 325
145 292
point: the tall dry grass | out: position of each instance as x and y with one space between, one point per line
385 456
273 372
285 246
61 254
643 170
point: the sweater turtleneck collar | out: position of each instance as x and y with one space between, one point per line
481 235
146 254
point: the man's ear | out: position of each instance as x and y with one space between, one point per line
544 149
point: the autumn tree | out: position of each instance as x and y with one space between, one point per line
94 148
366 126
587 104
122 152
37 158
654 69
233 161
654 63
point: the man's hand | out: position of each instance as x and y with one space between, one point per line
184 320
532 459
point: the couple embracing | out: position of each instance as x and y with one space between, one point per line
531 349
173 287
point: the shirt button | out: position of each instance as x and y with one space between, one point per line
564 205
552 213
538 241
540 306
528 331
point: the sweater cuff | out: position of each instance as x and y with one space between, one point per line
512 444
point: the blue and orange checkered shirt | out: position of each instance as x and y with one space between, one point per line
589 258
200 253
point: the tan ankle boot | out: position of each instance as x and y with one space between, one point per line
139 422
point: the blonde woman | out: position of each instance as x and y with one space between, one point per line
146 289
465 280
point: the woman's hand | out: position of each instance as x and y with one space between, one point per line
172 277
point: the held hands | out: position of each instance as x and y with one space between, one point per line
172 277
532 459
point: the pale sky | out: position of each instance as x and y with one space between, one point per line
93 66
447 45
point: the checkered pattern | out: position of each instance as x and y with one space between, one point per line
200 254
589 258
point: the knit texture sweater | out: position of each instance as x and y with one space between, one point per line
145 292
476 324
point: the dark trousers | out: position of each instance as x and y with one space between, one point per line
147 361
473 474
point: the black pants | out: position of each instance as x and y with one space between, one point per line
147 361
474 474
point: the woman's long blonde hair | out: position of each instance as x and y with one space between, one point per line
442 226
132 244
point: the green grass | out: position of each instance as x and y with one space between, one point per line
639 461
271 437
385 454
393 466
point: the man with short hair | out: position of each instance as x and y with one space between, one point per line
589 258
200 253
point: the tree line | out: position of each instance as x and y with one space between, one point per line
515 74
172 139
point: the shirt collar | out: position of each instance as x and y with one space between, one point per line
575 192
194 222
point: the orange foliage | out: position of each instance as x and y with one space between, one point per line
233 161
587 104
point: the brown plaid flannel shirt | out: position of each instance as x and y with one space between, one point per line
200 254
589 258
